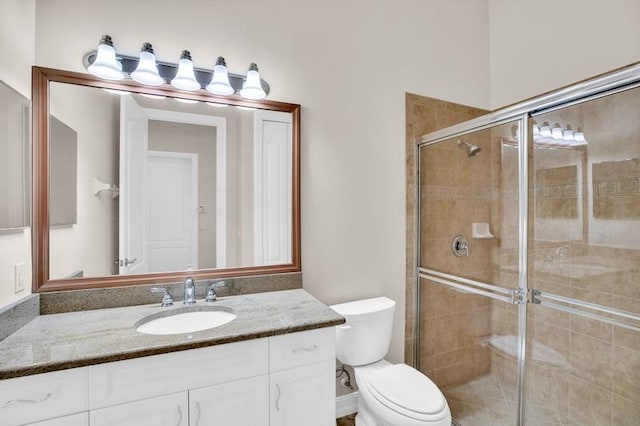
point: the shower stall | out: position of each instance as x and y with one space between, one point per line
528 259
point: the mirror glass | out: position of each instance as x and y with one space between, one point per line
616 185
142 185
15 167
558 206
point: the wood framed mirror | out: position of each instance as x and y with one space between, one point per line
159 189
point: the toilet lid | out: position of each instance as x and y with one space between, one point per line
402 387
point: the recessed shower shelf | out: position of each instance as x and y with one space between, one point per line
481 230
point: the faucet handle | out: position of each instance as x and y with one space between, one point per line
167 298
212 296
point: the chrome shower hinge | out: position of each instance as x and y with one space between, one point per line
535 294
519 297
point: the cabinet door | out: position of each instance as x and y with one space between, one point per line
304 396
239 403
167 410
80 419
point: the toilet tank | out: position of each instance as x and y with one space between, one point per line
365 337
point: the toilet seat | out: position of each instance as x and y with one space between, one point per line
401 395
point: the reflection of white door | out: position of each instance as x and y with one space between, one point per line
134 131
172 211
272 187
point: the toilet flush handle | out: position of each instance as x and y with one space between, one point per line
343 327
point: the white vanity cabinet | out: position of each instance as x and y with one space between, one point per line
302 389
79 419
239 403
166 410
40 397
281 380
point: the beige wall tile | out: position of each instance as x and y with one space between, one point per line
589 404
626 373
625 411
591 359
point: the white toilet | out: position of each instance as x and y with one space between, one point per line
390 395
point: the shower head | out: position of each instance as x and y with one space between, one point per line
472 150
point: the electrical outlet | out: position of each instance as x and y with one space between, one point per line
20 271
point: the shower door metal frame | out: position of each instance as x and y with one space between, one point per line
625 78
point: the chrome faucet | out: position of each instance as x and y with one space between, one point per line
212 296
167 298
559 254
189 292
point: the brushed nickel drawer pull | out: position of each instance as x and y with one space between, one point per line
26 401
199 413
278 397
311 349
179 415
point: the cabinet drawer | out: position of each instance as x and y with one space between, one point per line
43 396
130 380
306 347
80 419
166 410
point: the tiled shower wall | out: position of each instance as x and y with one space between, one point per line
423 115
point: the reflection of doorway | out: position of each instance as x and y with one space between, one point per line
172 204
218 124
135 212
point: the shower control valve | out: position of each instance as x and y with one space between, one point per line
459 246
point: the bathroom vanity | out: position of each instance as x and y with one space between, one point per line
273 364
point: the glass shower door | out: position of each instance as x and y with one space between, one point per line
469 273
583 362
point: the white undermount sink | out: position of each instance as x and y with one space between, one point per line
185 320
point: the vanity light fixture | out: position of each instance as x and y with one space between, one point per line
252 89
185 79
146 70
106 66
557 136
220 82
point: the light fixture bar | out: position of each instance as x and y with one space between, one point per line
168 71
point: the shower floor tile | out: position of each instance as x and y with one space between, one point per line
487 401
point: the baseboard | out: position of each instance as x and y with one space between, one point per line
346 404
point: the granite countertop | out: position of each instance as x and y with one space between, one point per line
76 339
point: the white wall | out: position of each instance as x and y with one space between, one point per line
541 45
348 64
90 245
17 48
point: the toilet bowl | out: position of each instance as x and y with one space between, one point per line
390 394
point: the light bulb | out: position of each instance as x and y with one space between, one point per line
220 82
105 65
578 136
252 88
147 70
185 79
568 134
556 133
